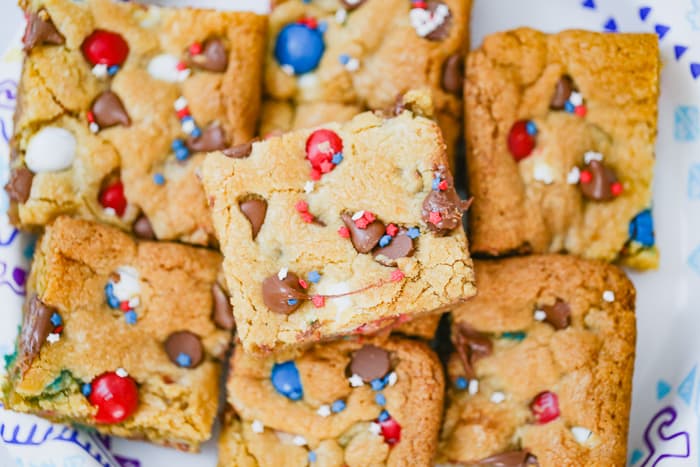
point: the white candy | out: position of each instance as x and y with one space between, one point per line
609 296
128 286
580 433
164 67
540 315
498 397
51 149
257 426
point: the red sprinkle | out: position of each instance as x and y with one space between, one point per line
309 22
319 301
520 142
369 216
303 284
124 305
58 329
391 431
196 48
344 232
616 189
113 197
362 222
302 206
421 5
182 113
397 275
90 116
545 407
581 110
307 217
442 186
585 176
435 217
181 66
392 230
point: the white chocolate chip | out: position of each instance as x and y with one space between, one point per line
51 149
498 397
121 372
341 16
128 287
391 380
543 173
356 381
282 274
576 98
581 434
375 428
257 426
324 411
573 176
164 67
473 387
299 440
609 296
592 156
540 315
53 338
308 81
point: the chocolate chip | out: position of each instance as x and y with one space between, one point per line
36 326
211 139
453 74
370 363
396 108
223 311
283 296
351 4
364 240
558 315
442 31
20 184
602 178
143 229
401 246
240 151
446 204
212 58
565 86
40 30
184 349
109 110
520 458
470 345
254 210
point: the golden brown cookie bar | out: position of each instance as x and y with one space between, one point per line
338 230
346 403
542 373
329 60
560 144
121 335
117 103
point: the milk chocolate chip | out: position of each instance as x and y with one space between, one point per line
565 86
364 240
143 229
36 326
223 311
40 30
470 345
599 182
254 210
520 458
108 110
211 139
283 295
443 208
212 58
453 74
20 184
370 363
184 349
558 315
351 4
401 246
240 151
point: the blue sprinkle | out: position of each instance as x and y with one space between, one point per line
436 184
196 132
182 154
177 143
385 380
29 249
516 335
344 59
291 301
112 70
338 406
322 26
86 389
385 240
378 384
641 228
312 455
314 277
461 383
158 179
186 118
337 158
531 128
286 380
383 416
380 399
56 319
569 107
130 317
112 301
184 360
413 233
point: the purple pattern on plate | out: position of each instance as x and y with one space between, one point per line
670 445
14 280
8 94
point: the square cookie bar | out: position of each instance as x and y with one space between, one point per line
542 373
117 104
352 403
329 60
121 335
560 144
332 231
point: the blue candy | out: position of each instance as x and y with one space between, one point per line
286 381
299 47
641 228
112 70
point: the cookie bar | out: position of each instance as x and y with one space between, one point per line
329 60
560 144
117 104
542 374
347 403
121 335
333 231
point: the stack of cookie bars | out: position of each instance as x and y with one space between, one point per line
315 261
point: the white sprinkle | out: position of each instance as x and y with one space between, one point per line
183 74
356 381
358 215
282 274
100 70
592 156
473 386
288 70
375 428
53 338
257 426
540 315
392 378
581 434
308 186
110 212
121 372
576 98
341 15
180 103
543 173
308 81
352 65
94 127
50 149
134 302
573 176
299 440
188 126
498 397
609 296
324 410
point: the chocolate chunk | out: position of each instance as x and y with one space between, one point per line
211 139
20 184
520 458
558 315
109 110
351 4
442 209
442 31
599 185
283 296
254 210
565 86
36 326
222 313
471 345
453 74
184 349
40 30
364 240
401 246
143 229
370 363
240 151
212 58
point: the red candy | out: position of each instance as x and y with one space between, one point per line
113 197
105 48
116 398
391 431
319 301
545 407
344 232
320 147
520 142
